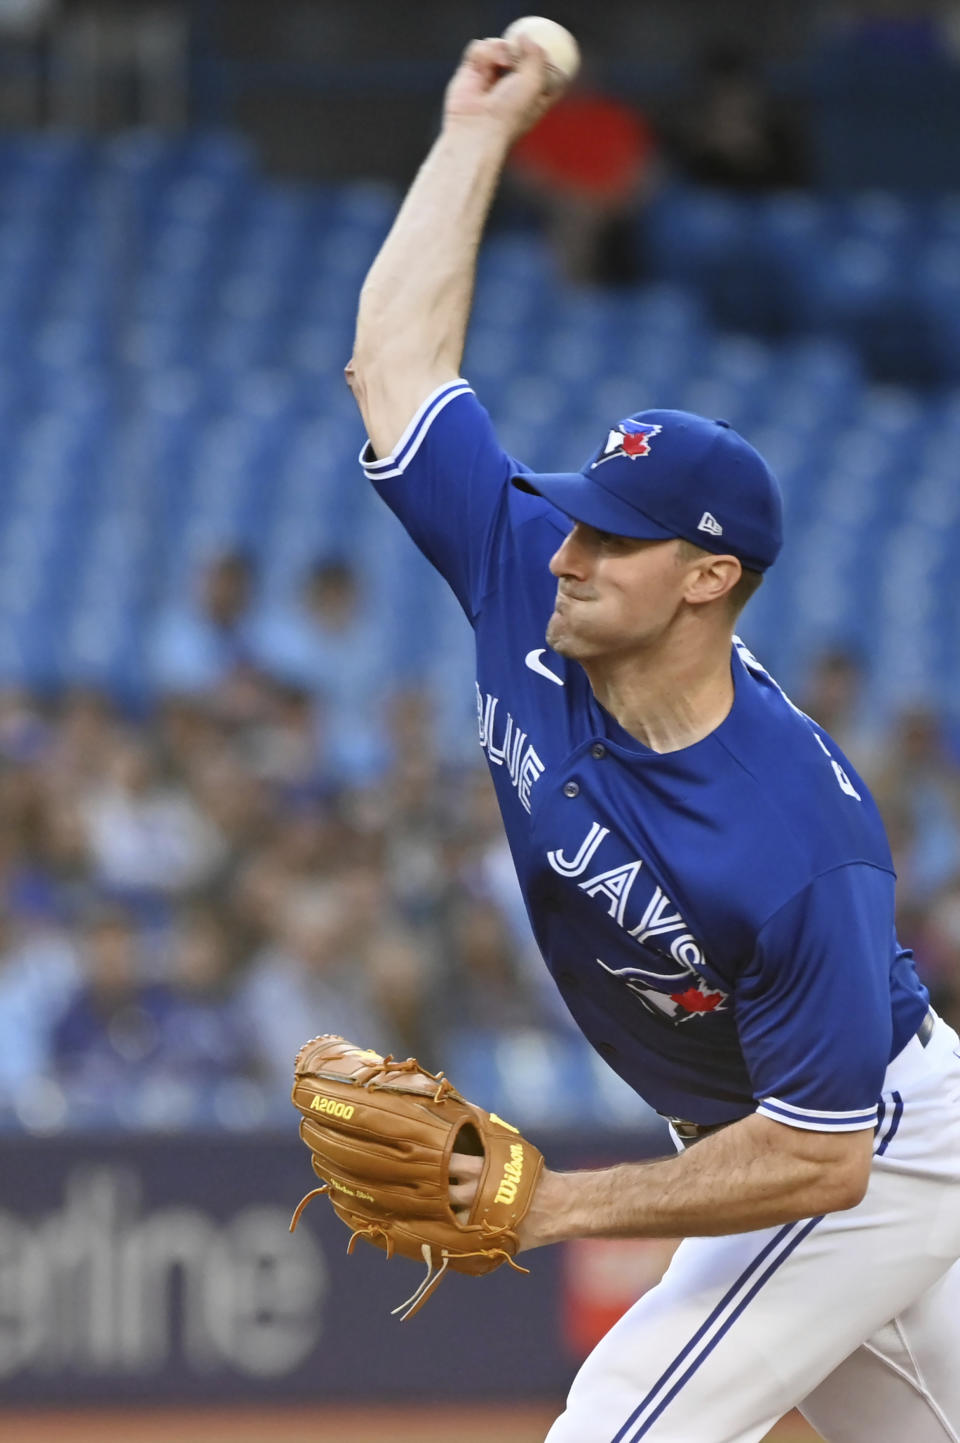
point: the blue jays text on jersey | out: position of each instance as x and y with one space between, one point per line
719 920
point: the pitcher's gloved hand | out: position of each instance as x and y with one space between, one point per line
382 1134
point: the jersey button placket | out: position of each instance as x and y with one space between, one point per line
598 751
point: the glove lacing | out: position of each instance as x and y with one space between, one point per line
370 1230
298 1210
376 1076
433 1279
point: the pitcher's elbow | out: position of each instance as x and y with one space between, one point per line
351 374
847 1189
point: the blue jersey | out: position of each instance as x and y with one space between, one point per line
719 919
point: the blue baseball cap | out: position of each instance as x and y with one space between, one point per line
662 474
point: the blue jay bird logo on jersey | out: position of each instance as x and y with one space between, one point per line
692 996
630 439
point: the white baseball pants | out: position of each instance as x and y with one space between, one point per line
853 1317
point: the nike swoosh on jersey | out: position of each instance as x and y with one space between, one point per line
532 660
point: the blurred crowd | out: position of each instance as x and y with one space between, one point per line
277 847
190 893
912 765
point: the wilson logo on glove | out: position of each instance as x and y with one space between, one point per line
381 1135
512 1173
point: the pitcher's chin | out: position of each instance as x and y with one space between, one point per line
560 638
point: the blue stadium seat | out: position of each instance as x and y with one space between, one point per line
172 335
863 297
715 243
935 286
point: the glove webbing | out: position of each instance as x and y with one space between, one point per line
372 1077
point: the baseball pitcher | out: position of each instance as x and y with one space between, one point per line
707 877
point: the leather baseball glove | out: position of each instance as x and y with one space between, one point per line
381 1134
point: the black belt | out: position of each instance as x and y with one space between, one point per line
691 1132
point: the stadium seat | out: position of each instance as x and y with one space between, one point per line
203 399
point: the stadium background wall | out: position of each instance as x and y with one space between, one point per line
149 1270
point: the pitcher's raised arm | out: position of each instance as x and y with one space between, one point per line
415 302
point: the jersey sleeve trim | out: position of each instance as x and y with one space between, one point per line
813 1120
378 469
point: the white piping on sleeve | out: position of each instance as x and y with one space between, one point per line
380 468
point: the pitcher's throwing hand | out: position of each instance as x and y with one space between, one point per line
508 84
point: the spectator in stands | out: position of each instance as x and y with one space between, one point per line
302 983
414 807
188 734
24 734
835 697
479 858
937 945
208 643
330 642
67 877
110 1026
204 1036
235 800
148 837
257 895
24 29
287 747
401 968
24 875
82 740
486 989
25 17
588 167
38 969
917 787
732 135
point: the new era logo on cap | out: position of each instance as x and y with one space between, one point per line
710 524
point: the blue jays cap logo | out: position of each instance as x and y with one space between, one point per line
631 438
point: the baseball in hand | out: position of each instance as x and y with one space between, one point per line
562 51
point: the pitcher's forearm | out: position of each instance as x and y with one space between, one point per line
754 1174
415 302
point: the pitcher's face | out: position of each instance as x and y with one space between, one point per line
615 594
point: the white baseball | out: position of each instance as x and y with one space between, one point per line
562 50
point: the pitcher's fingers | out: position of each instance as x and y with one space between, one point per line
464 1166
462 1195
491 57
530 58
